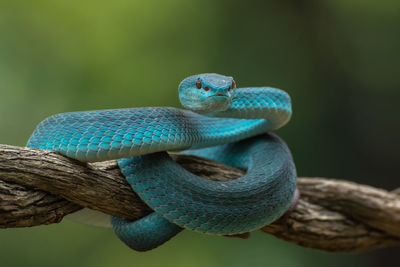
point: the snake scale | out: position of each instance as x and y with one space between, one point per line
224 123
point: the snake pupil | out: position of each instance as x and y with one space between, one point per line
198 84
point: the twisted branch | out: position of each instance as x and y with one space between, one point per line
41 187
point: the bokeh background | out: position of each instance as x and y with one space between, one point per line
338 59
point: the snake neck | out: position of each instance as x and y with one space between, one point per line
271 104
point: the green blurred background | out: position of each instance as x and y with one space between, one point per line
338 59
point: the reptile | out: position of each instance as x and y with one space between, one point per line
221 122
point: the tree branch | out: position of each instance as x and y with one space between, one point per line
41 187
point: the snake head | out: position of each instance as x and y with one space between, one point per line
206 93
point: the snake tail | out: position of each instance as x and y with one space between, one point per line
146 233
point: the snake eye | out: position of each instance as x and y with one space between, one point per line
233 85
198 84
206 88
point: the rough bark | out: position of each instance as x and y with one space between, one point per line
41 187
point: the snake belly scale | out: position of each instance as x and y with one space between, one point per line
224 123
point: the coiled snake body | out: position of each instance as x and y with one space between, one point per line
233 130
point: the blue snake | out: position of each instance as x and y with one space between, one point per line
223 123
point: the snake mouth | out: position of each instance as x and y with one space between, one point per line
218 94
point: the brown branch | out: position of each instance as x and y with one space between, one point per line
41 187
